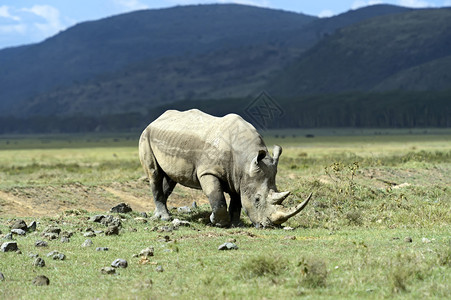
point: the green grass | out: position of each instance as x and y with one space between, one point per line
370 193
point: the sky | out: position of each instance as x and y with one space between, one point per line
31 21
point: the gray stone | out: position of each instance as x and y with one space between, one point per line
228 246
408 239
67 234
87 243
32 226
102 249
52 229
111 221
184 209
426 240
18 231
97 218
41 280
59 256
194 205
121 208
159 268
41 244
98 231
50 235
65 239
39 262
108 270
112 230
19 224
89 234
8 236
2 277
51 253
33 255
143 214
119 263
149 251
9 247
177 223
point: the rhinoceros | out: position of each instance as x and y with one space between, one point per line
217 155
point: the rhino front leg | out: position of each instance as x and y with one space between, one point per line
211 186
235 210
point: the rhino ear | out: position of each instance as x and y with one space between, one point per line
254 164
277 151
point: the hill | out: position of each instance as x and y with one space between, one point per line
408 51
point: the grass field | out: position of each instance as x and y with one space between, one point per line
372 192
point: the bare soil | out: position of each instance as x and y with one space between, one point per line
52 200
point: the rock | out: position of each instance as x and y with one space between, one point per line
288 228
194 205
50 235
59 256
231 240
121 208
52 229
2 277
97 218
8 236
41 244
144 215
19 224
108 270
65 239
290 237
159 268
9 247
89 234
18 231
111 221
67 234
41 280
426 240
228 246
408 239
141 220
18 251
112 230
119 263
33 255
102 249
32 226
87 243
149 251
39 262
98 231
177 223
184 209
51 253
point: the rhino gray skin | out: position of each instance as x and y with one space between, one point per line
216 155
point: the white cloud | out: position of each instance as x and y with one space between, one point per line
4 12
362 3
326 14
131 5
415 3
7 29
51 16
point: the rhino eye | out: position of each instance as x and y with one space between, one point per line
257 198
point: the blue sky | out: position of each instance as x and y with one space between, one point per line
31 21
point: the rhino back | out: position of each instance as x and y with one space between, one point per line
190 144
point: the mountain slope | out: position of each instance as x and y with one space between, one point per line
93 48
364 56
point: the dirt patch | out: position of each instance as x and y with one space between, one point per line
52 200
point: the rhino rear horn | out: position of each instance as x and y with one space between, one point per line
281 216
277 151
277 198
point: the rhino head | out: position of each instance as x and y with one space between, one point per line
259 195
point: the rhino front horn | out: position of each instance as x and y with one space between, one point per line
281 216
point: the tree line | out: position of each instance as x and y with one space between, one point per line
353 109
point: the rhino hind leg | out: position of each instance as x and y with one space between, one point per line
160 199
211 186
